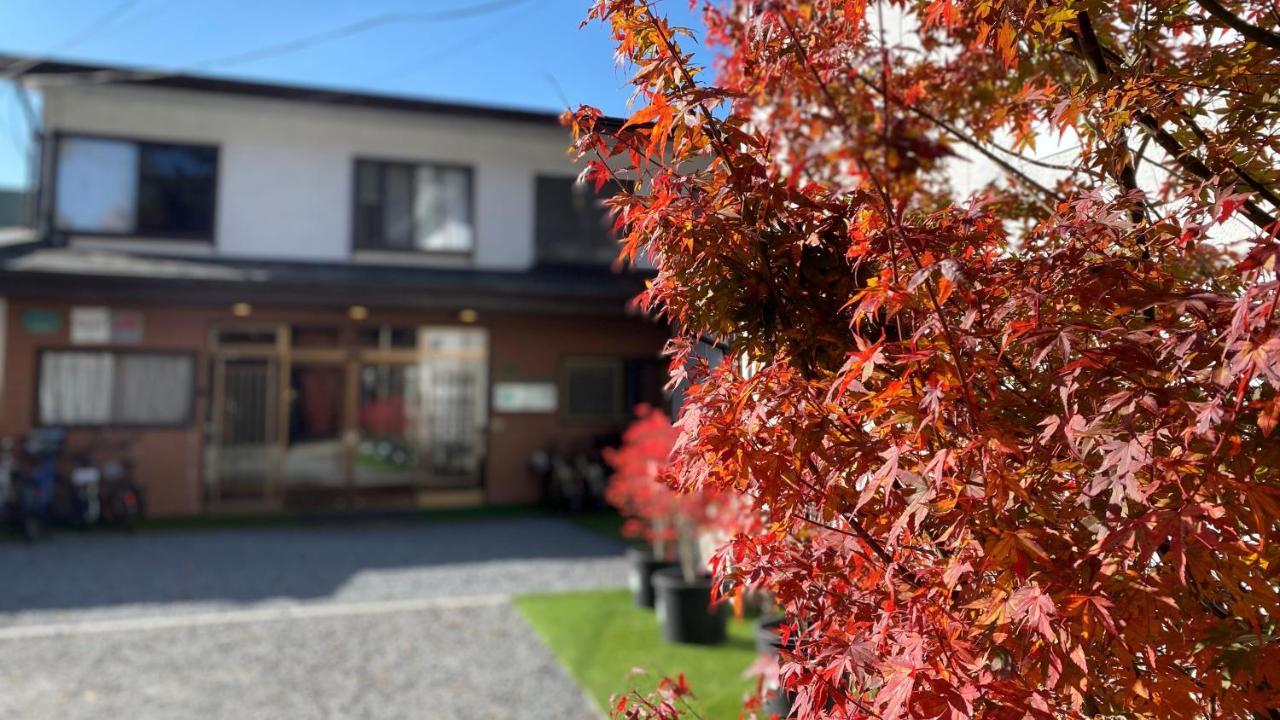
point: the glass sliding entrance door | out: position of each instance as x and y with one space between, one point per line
315 455
422 415
393 446
243 455
332 416
455 370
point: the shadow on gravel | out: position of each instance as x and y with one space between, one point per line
100 570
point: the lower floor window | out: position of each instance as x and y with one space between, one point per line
99 387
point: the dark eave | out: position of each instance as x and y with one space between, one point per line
121 75
102 276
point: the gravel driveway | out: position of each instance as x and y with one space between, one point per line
378 621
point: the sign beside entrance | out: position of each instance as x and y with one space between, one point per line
524 397
90 325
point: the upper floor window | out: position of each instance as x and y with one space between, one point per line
122 187
406 206
573 225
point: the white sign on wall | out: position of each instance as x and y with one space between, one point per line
524 397
90 325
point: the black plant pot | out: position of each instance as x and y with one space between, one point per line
643 565
684 609
776 701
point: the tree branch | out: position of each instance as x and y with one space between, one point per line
1262 36
1096 60
1096 56
963 137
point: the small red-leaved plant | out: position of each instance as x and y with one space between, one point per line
640 490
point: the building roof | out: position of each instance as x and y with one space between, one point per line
73 273
19 66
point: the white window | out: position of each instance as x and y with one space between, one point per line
80 387
97 186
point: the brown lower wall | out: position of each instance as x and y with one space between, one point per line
168 462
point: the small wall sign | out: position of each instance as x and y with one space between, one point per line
90 325
524 397
41 321
126 327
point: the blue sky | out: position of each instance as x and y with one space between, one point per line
521 53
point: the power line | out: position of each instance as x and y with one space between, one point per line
488 33
87 32
121 9
20 142
98 77
356 28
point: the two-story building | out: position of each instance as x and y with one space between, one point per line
282 297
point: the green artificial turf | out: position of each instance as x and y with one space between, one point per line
601 637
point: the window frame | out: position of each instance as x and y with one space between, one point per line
618 364
140 142
357 246
186 422
572 263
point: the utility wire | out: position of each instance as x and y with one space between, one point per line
99 77
96 27
356 28
79 38
490 32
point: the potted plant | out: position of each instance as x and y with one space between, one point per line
636 491
674 523
686 607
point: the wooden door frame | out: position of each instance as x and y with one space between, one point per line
348 356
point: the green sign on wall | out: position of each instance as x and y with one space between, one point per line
41 321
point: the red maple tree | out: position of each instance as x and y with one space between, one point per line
1015 442
637 489
642 491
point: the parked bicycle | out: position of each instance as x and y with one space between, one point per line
123 501
45 484
574 482
27 482
102 491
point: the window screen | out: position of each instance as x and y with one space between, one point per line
402 206
114 388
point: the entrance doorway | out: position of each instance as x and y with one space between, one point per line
345 416
314 448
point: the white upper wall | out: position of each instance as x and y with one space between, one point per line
285 175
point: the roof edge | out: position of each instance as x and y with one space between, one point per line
15 66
